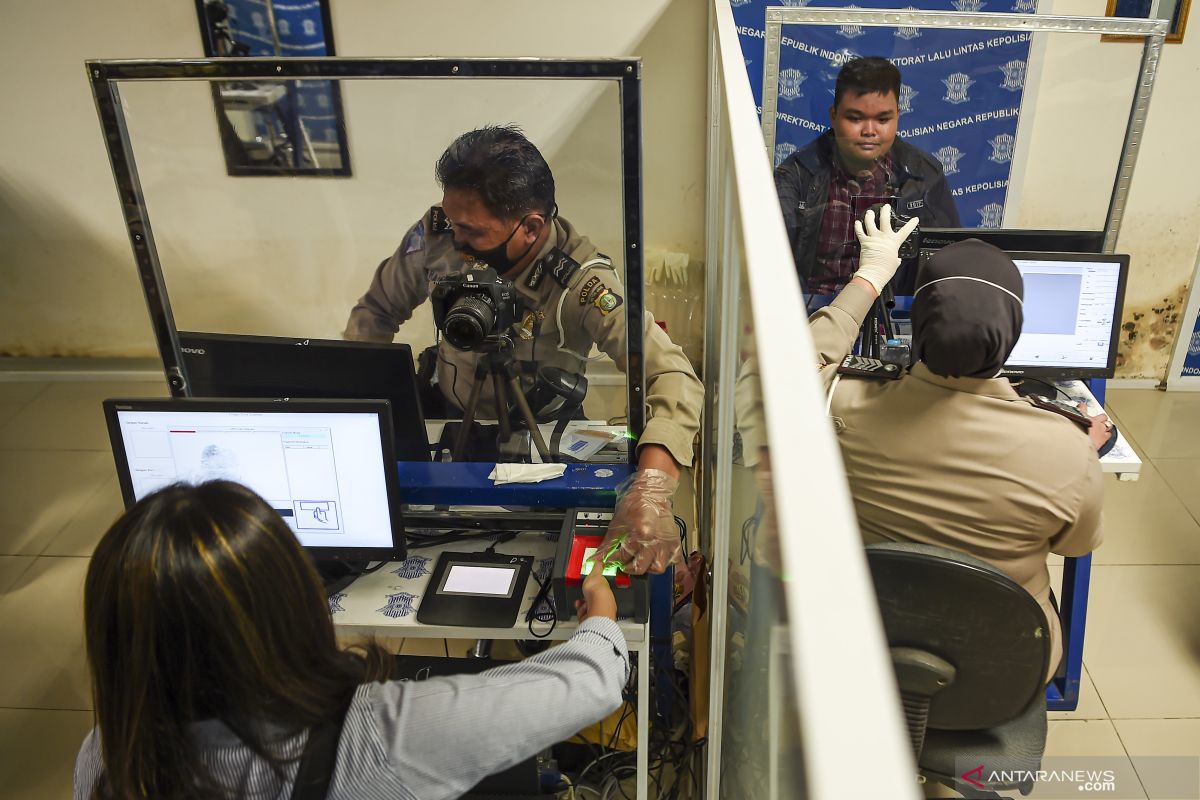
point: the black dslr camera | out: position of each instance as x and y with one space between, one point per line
470 308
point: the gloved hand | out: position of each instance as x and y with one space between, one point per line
879 247
642 536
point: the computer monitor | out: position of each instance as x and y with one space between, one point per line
1021 239
1072 311
327 467
1007 239
234 365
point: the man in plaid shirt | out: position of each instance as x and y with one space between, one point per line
826 185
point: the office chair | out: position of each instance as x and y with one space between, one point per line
970 649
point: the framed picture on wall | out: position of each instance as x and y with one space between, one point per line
1174 10
279 127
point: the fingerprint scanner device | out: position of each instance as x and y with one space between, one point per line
476 590
326 466
582 532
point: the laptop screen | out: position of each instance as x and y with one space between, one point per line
325 471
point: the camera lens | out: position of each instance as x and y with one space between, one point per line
469 321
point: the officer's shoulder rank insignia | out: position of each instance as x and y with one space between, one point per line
561 266
438 221
607 302
536 273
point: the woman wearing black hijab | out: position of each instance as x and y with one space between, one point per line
949 454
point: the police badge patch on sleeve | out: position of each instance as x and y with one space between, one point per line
586 291
438 221
415 241
607 302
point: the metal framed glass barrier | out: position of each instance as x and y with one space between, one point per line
291 258
801 684
1005 92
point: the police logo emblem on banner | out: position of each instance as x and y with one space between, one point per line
1014 75
790 81
782 151
907 93
842 56
957 85
991 215
1194 345
908 32
851 31
949 156
1002 148
969 5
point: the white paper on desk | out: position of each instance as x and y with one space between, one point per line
580 443
526 473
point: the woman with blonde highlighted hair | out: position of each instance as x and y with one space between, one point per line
216 673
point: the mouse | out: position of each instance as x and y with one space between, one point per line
1108 444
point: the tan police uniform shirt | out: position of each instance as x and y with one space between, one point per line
575 302
963 463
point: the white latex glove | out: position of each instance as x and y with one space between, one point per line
879 247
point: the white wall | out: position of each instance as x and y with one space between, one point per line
1083 90
289 256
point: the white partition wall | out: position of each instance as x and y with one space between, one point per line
803 701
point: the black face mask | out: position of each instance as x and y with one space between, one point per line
497 257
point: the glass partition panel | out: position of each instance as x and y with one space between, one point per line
992 127
300 259
793 707
288 256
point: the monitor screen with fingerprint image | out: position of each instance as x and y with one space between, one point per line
1073 305
326 466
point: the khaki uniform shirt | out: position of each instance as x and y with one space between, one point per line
575 302
964 463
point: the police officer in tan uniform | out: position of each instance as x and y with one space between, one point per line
498 208
949 454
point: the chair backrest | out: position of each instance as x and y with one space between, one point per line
966 612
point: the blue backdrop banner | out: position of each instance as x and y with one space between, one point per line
1191 362
960 96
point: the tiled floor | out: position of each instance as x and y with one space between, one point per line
1141 692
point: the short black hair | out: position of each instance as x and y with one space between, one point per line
503 167
867 76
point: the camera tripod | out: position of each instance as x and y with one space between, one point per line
498 362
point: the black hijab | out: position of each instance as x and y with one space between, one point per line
966 311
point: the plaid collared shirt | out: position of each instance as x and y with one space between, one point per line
837 250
